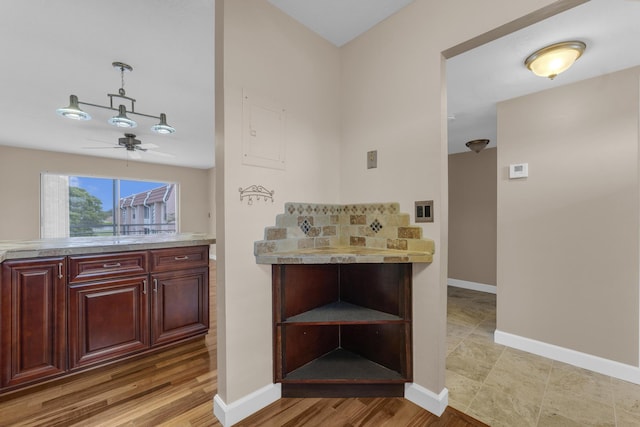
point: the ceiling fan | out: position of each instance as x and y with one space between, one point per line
134 146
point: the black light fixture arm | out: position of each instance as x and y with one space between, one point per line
111 107
73 111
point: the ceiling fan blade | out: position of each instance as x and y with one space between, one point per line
160 153
99 148
147 145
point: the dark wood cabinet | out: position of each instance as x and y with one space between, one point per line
342 329
179 304
65 314
32 326
107 319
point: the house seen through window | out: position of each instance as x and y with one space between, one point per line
75 206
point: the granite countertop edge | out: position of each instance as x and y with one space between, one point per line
23 249
339 257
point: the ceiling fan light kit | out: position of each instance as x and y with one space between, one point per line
554 59
121 120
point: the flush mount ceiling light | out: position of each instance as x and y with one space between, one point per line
121 120
554 59
477 145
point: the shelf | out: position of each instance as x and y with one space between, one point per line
342 365
342 312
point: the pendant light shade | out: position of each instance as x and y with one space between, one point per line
163 127
121 120
73 111
554 59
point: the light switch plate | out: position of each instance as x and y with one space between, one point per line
372 159
424 211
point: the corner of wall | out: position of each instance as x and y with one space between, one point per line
426 399
230 414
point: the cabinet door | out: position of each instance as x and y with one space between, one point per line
32 327
107 319
179 305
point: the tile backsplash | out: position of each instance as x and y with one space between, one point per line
372 225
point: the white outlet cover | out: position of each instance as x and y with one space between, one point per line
518 170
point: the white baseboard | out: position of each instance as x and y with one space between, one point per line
474 286
230 414
426 399
572 357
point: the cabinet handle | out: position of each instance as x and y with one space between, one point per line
181 258
155 285
116 264
60 270
144 286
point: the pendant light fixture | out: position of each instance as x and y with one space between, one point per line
554 59
121 119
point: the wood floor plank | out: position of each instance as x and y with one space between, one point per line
176 386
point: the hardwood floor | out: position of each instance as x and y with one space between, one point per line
175 387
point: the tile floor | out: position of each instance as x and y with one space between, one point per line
504 387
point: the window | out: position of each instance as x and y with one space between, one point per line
75 206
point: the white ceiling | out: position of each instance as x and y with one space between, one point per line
478 79
339 21
51 49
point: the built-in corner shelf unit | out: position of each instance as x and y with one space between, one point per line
342 313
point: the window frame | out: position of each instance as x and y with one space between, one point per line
120 218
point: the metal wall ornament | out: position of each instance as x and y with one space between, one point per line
255 191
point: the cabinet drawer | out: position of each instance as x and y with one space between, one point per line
91 267
179 258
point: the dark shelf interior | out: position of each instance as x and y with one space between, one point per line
341 364
343 312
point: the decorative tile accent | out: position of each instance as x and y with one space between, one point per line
409 232
305 243
322 242
358 219
358 241
305 226
375 225
397 244
313 232
329 230
379 232
276 233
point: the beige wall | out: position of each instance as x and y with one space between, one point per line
472 216
568 234
277 59
384 91
20 171
393 101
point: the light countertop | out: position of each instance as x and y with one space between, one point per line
20 249
344 255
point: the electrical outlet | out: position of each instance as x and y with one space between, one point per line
424 211
372 159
